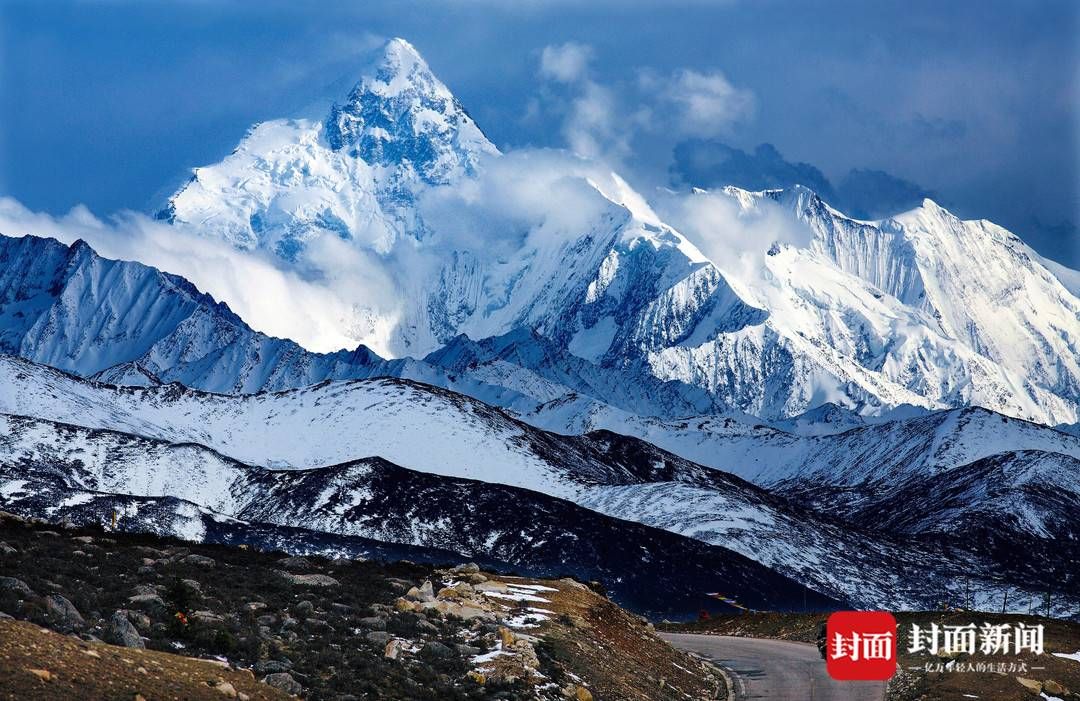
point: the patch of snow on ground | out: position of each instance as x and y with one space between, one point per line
515 596
490 656
12 488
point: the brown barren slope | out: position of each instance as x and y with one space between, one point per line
36 663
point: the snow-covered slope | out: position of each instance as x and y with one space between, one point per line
1023 493
72 309
956 312
363 507
125 323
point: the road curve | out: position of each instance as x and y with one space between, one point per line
775 669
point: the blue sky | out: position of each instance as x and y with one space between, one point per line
110 103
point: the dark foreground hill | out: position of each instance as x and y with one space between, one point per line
274 626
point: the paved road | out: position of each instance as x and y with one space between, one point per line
775 669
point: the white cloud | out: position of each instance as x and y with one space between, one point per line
705 104
735 239
274 301
565 63
601 121
591 125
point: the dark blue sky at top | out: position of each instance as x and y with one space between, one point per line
110 103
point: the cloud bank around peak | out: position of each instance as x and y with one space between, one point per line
271 300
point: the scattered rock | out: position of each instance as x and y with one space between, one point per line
121 632
304 608
225 689
310 580
139 619
285 682
466 650
191 587
424 593
316 625
143 589
461 610
476 677
148 602
296 563
63 614
6 549
198 560
379 637
436 651
467 568
1052 688
582 694
461 590
207 617
405 606
11 585
1033 686
272 666
373 623
393 649
42 674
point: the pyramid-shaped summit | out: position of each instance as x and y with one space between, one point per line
401 114
353 171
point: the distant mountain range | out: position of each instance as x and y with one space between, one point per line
848 411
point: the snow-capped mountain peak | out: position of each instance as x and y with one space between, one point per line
353 174
402 114
960 312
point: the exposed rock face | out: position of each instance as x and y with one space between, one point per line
122 632
285 682
15 587
311 580
63 614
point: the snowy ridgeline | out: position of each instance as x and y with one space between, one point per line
1029 497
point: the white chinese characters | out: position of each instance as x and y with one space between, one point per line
988 639
862 646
